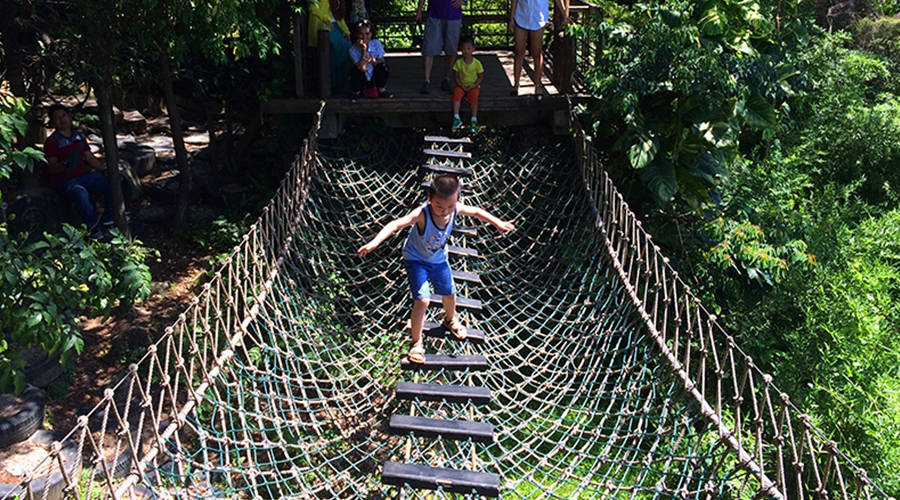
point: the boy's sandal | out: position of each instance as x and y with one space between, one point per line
456 328
416 354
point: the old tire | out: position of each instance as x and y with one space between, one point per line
43 371
24 419
34 212
48 482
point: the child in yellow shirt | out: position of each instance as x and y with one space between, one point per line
468 74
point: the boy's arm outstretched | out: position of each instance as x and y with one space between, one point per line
389 229
484 216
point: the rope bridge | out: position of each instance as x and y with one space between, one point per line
605 377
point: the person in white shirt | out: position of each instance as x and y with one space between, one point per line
368 73
527 19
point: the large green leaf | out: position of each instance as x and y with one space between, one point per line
659 177
713 21
757 112
642 153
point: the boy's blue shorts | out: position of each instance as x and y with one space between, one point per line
420 273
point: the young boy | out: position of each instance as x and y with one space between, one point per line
425 258
467 74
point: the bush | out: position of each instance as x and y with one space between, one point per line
47 282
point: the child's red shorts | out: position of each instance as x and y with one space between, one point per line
471 95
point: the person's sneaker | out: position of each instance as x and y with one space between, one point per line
426 87
457 123
455 326
445 84
356 96
473 128
385 93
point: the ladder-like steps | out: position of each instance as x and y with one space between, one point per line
459 430
463 188
457 155
467 252
433 362
450 393
448 140
448 480
465 276
461 302
435 330
465 230
441 168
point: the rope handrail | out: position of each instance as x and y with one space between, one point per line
154 397
767 429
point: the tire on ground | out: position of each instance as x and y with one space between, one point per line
18 421
48 481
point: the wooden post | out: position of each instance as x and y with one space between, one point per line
563 50
324 50
298 54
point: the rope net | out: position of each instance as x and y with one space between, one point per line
279 380
581 405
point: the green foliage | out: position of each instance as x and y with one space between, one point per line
853 318
47 283
677 83
880 36
801 258
12 126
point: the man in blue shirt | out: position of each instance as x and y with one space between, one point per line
444 18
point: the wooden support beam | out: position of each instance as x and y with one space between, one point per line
324 52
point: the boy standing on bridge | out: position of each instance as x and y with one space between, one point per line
425 257
468 74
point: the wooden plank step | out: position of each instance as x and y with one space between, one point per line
465 276
448 154
467 252
463 188
448 480
448 140
447 169
463 302
436 331
459 430
465 230
409 391
434 362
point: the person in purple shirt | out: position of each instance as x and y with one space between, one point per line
444 18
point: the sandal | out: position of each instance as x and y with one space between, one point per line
416 354
455 326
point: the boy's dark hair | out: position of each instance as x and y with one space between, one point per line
466 39
363 23
445 186
54 108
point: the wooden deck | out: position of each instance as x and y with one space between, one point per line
407 75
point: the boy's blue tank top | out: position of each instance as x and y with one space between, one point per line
428 246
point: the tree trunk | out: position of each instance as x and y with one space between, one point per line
110 148
184 169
